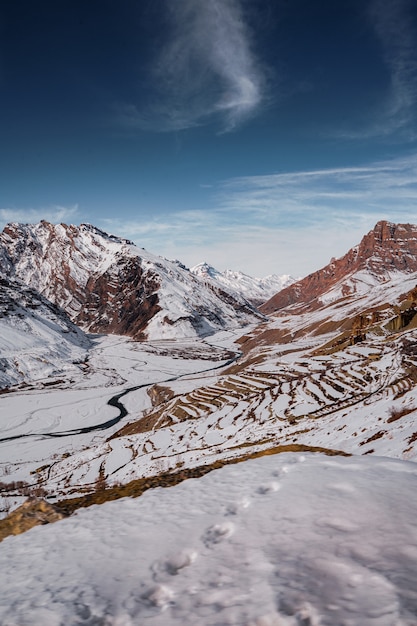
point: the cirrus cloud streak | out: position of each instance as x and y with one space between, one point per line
284 223
207 69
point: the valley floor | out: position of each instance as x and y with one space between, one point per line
291 539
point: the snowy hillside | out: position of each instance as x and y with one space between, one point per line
284 540
37 340
107 284
256 290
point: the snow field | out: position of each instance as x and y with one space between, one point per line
286 540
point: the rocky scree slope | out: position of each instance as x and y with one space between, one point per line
108 285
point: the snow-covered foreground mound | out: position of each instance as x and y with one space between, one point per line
269 542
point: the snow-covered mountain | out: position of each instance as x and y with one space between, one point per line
37 339
255 290
108 285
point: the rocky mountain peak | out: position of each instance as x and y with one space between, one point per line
387 249
106 284
255 290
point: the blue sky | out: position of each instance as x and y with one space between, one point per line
260 135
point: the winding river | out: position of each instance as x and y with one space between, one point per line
114 401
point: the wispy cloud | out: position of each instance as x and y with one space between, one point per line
207 68
285 223
393 24
54 214
382 188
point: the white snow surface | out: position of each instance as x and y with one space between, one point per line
38 342
285 540
255 290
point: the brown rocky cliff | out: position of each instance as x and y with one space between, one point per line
388 247
63 262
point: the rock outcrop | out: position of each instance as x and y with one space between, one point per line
385 250
33 512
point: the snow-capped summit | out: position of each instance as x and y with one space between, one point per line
107 284
255 290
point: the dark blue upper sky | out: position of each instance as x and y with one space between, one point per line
255 134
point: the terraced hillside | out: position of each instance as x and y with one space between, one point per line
338 375
361 399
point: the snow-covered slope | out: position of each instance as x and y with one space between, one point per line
107 284
256 290
285 540
37 340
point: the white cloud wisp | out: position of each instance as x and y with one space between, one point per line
393 25
54 214
290 223
207 68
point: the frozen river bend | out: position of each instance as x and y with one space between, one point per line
42 425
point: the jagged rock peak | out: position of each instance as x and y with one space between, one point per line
204 269
387 249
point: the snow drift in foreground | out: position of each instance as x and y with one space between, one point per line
269 542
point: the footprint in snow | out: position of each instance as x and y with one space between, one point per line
217 533
173 564
281 472
159 596
268 488
236 507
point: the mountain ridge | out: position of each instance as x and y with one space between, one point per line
255 290
385 250
107 284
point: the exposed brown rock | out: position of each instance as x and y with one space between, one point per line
386 248
33 512
123 307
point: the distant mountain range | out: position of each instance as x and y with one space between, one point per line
255 290
105 284
108 285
